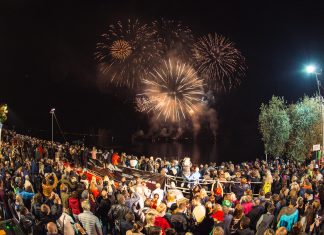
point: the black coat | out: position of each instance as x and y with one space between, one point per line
255 215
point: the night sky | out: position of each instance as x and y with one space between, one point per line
47 61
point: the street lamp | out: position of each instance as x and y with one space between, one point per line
312 69
52 112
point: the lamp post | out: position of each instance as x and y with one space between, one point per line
52 113
312 69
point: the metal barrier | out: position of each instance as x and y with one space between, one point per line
185 185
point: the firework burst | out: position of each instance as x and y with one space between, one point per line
219 61
120 49
175 37
173 90
126 52
142 104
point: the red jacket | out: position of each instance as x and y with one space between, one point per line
74 205
161 222
115 159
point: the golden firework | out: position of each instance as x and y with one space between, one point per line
174 91
120 49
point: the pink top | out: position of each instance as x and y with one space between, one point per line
247 207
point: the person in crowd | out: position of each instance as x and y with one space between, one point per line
51 229
89 221
158 191
255 213
136 230
118 212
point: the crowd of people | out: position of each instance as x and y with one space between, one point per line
46 189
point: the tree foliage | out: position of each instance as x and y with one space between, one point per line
3 113
274 125
290 130
305 117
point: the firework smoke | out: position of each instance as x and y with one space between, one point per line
175 37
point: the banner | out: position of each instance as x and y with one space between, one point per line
131 174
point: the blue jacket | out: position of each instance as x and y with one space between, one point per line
26 195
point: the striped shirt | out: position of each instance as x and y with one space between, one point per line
90 223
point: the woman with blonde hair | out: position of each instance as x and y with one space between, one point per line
267 182
160 219
149 220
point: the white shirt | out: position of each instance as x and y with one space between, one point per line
68 227
160 192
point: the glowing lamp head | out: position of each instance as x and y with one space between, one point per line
310 69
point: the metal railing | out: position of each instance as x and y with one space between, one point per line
185 185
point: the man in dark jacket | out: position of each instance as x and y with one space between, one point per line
255 213
244 227
179 220
117 212
104 205
277 184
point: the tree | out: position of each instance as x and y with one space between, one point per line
275 127
3 117
305 118
3 113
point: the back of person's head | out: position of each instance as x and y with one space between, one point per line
147 202
121 199
268 195
269 231
154 230
282 231
45 209
161 208
270 209
23 210
170 231
238 211
293 202
218 230
74 194
29 189
85 205
63 188
129 217
51 228
297 229
137 227
245 222
300 202
37 198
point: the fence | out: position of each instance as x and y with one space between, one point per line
185 185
